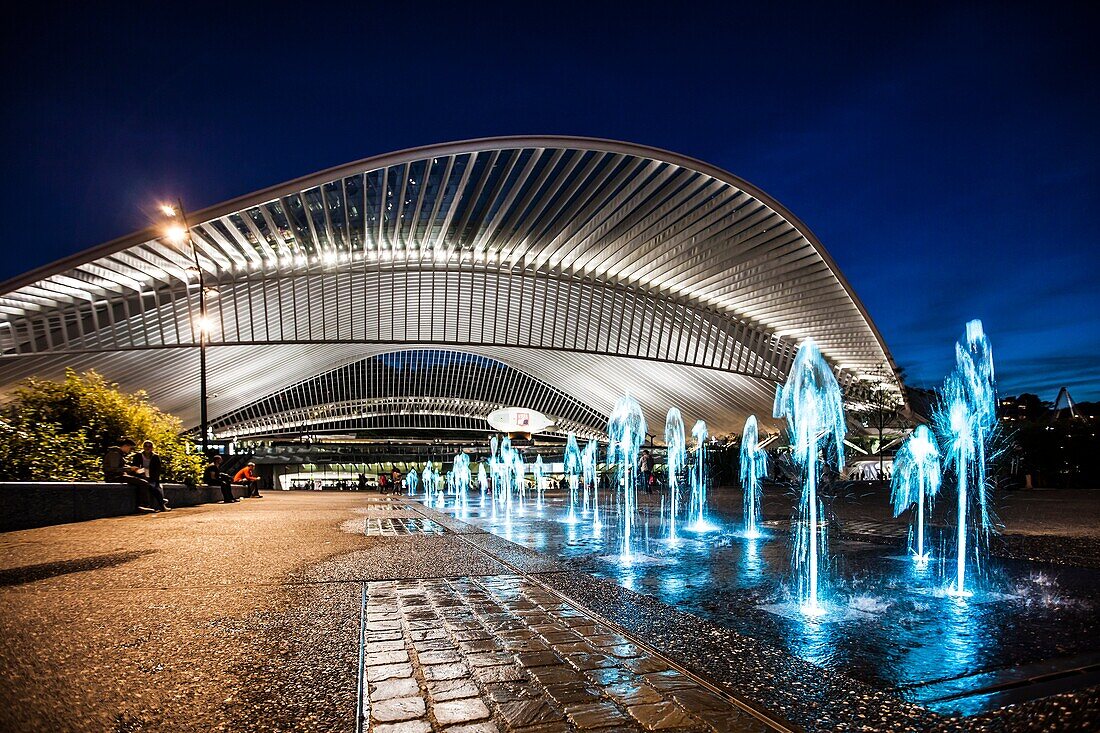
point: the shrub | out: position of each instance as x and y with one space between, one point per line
60 430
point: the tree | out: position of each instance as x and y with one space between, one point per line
880 406
60 430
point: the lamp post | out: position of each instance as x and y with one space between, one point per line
179 234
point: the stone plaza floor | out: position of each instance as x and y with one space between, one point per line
348 612
308 611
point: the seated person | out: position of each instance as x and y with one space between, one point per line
117 470
214 476
247 476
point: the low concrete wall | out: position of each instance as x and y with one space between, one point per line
25 505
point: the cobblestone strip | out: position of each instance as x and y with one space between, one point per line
392 526
502 653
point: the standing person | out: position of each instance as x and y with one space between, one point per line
361 483
117 470
214 476
251 481
645 468
395 479
382 483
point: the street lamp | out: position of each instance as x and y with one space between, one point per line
178 232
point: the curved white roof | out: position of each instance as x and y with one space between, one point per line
590 265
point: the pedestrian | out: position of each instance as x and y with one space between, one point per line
395 479
251 481
383 483
645 468
213 475
116 469
361 483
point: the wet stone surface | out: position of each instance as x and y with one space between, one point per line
502 653
391 526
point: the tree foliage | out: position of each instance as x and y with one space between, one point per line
60 430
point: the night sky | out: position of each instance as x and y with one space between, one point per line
948 156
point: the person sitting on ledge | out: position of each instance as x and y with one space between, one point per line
116 470
213 475
251 481
148 464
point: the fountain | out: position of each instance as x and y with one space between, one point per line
677 459
814 407
540 482
591 483
754 467
966 422
460 478
411 481
572 464
626 430
482 482
427 479
916 478
697 509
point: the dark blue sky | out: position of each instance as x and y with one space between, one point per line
947 155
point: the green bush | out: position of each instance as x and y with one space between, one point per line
60 430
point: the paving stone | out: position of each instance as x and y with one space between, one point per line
502 673
577 647
397 709
645 665
388 671
661 716
484 727
375 647
388 689
632 693
562 695
426 634
490 659
448 656
523 713
434 645
442 690
408 726
591 661
599 714
467 710
669 680
380 658
556 675
446 671
511 691
609 675
481 645
538 659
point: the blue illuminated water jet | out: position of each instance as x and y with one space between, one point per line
591 484
572 466
754 467
460 477
966 420
411 481
482 482
677 459
540 481
916 479
626 429
697 508
814 407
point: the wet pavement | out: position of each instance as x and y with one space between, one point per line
347 612
307 612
